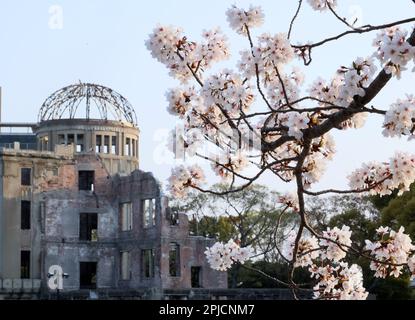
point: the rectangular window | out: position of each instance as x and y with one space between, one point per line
25 215
25 264
149 210
61 139
26 176
88 275
173 216
125 265
174 260
196 277
127 147
80 143
126 216
88 227
44 143
107 144
98 144
113 145
71 139
147 258
85 180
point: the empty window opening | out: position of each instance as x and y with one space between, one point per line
133 147
196 277
125 265
106 144
127 147
80 143
87 275
26 176
149 210
98 144
25 215
113 145
174 260
44 143
147 258
126 216
86 180
61 139
25 264
88 227
71 139
173 216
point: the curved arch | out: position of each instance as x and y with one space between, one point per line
65 103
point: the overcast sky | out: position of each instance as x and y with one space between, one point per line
102 41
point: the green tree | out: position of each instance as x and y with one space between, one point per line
248 216
363 226
400 211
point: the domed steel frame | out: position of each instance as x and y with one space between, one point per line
64 103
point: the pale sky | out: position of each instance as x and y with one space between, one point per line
102 41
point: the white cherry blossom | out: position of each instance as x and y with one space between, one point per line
399 119
393 248
239 19
308 250
221 256
182 57
228 90
215 111
339 282
297 122
337 248
393 51
322 5
290 200
383 178
228 163
182 178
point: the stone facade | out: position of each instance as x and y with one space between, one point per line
94 213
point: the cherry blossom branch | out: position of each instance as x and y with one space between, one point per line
369 188
240 188
300 2
302 131
365 29
330 106
343 20
266 275
284 90
337 118
353 250
258 84
374 110
275 234
301 205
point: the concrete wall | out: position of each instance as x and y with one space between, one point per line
117 162
56 206
13 239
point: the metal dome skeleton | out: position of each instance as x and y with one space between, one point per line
65 104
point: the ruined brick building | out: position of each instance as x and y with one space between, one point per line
72 194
